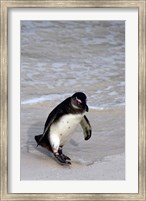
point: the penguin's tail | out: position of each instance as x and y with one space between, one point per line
43 141
38 139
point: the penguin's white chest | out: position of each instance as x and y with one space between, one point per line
62 130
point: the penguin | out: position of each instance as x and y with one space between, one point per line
61 123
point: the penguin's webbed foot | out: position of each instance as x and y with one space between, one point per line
65 157
60 153
62 159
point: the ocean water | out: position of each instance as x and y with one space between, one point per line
59 58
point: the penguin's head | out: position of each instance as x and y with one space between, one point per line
78 101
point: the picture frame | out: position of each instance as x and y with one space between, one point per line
5 6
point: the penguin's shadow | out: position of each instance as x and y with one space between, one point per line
36 129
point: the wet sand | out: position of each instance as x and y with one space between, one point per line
100 158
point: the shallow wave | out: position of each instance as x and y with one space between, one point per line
44 98
61 97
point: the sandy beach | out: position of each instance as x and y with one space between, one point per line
100 158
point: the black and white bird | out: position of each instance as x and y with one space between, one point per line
61 123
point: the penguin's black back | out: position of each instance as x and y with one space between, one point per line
61 109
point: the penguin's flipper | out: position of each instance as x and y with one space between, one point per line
86 127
